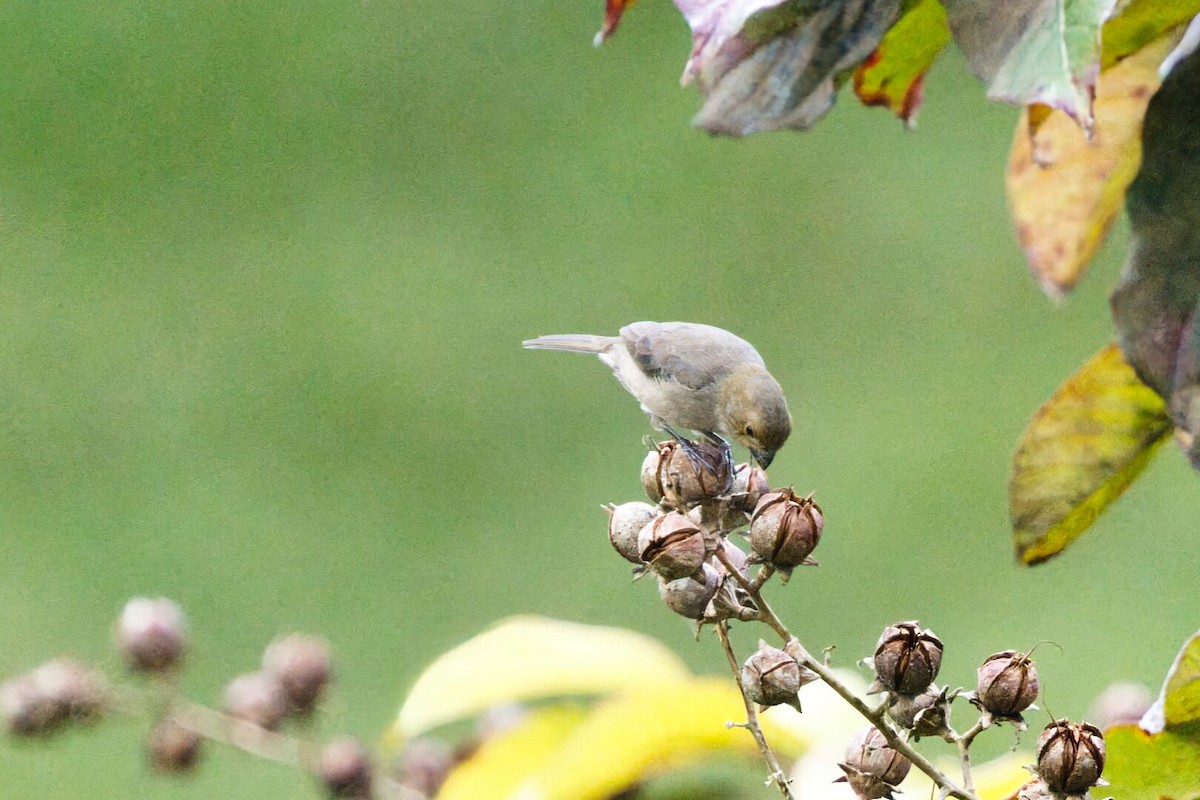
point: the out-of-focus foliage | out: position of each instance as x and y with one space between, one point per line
1160 757
1066 188
644 726
1081 450
894 75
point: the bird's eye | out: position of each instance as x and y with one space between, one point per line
749 431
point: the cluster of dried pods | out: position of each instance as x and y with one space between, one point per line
151 636
683 538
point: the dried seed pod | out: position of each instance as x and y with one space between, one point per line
749 485
907 658
1070 757
424 764
678 478
257 698
40 702
689 597
771 677
345 769
625 522
171 747
1007 684
785 529
151 634
302 666
872 768
925 714
25 710
672 546
651 470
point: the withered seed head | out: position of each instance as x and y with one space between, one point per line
679 479
872 768
749 485
151 634
689 596
672 546
257 698
625 522
907 658
772 677
345 769
40 702
1070 757
785 529
302 666
171 747
1007 684
925 714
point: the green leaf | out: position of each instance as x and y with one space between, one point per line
1080 451
1160 758
1143 766
1140 22
893 75
1154 305
526 658
1034 51
1178 705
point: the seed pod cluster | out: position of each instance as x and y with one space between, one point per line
151 637
682 536
46 699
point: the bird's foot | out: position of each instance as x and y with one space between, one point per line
726 448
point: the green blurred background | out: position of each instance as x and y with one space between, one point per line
265 271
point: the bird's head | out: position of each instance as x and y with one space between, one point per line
754 412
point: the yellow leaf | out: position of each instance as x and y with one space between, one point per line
1139 22
1080 451
642 733
892 75
506 761
1065 190
526 658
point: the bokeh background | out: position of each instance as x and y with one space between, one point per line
264 271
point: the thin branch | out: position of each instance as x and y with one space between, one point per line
777 774
876 717
963 743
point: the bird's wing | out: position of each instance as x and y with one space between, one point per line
686 352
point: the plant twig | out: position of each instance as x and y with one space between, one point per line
876 717
963 743
777 774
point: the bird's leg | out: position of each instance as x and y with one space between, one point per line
694 456
723 443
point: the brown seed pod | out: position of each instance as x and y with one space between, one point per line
785 529
257 698
689 596
345 769
303 667
1070 757
625 522
907 658
872 768
171 747
672 546
1007 684
151 634
772 677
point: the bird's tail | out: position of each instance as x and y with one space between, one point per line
571 342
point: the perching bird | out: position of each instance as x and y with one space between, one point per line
688 375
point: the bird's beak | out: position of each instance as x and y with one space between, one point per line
763 457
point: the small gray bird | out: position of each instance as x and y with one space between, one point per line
688 375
